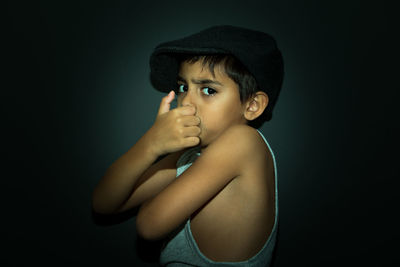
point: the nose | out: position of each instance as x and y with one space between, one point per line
188 99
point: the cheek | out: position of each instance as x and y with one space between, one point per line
214 117
218 113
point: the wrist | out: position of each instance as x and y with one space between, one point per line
150 146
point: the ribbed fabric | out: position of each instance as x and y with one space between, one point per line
182 250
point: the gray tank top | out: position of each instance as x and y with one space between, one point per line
182 250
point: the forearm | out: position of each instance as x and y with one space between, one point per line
122 176
172 131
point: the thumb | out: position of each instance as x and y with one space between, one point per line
166 103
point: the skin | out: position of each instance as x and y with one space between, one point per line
217 102
228 194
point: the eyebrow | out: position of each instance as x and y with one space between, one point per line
199 81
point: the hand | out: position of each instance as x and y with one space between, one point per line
174 129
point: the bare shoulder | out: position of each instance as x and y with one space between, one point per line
240 146
242 140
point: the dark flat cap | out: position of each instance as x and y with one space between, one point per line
256 50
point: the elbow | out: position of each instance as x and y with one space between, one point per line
147 228
100 206
101 210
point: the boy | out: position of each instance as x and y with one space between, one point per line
222 210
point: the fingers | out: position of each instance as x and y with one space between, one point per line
186 110
189 120
165 104
192 141
192 131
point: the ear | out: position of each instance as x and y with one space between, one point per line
256 105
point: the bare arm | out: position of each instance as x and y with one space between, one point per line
133 177
154 180
211 172
121 177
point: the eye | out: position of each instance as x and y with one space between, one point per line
208 91
182 88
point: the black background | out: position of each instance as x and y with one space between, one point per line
76 95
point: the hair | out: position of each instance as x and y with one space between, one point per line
237 72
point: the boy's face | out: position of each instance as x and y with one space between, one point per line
216 99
